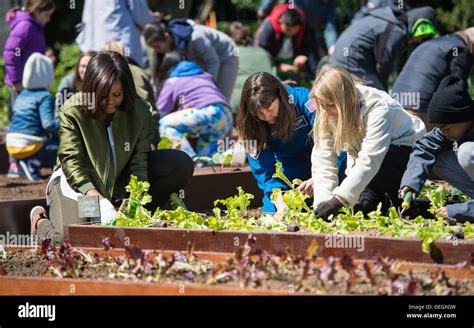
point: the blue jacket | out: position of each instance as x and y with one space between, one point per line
295 156
34 114
424 70
370 46
202 44
422 160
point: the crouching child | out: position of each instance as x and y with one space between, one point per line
448 150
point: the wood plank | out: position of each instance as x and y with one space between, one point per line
77 287
274 242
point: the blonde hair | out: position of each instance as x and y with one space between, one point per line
113 46
336 85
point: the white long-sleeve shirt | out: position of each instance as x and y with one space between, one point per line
386 123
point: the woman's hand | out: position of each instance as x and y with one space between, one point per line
306 187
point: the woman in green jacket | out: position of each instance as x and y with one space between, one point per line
105 137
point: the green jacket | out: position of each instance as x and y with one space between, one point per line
85 154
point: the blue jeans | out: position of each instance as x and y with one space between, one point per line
47 154
448 167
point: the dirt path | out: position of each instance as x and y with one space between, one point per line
23 188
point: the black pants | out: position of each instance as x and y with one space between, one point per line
386 183
169 171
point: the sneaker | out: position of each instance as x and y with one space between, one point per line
36 214
30 169
13 170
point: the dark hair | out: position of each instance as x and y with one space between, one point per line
239 33
259 91
77 81
156 32
32 6
291 17
168 63
105 68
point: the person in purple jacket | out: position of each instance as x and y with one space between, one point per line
26 37
189 101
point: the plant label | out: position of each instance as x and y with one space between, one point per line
89 207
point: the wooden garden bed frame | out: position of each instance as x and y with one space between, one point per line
11 285
408 249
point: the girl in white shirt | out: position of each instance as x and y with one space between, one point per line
376 132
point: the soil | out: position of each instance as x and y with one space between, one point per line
18 188
323 276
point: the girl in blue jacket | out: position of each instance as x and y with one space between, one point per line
32 138
278 120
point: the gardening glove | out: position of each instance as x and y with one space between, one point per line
107 211
325 209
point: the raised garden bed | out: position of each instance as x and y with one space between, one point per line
37 285
359 246
249 271
204 187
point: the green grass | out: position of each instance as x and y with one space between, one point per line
4 95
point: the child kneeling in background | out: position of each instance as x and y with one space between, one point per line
447 150
32 138
190 102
